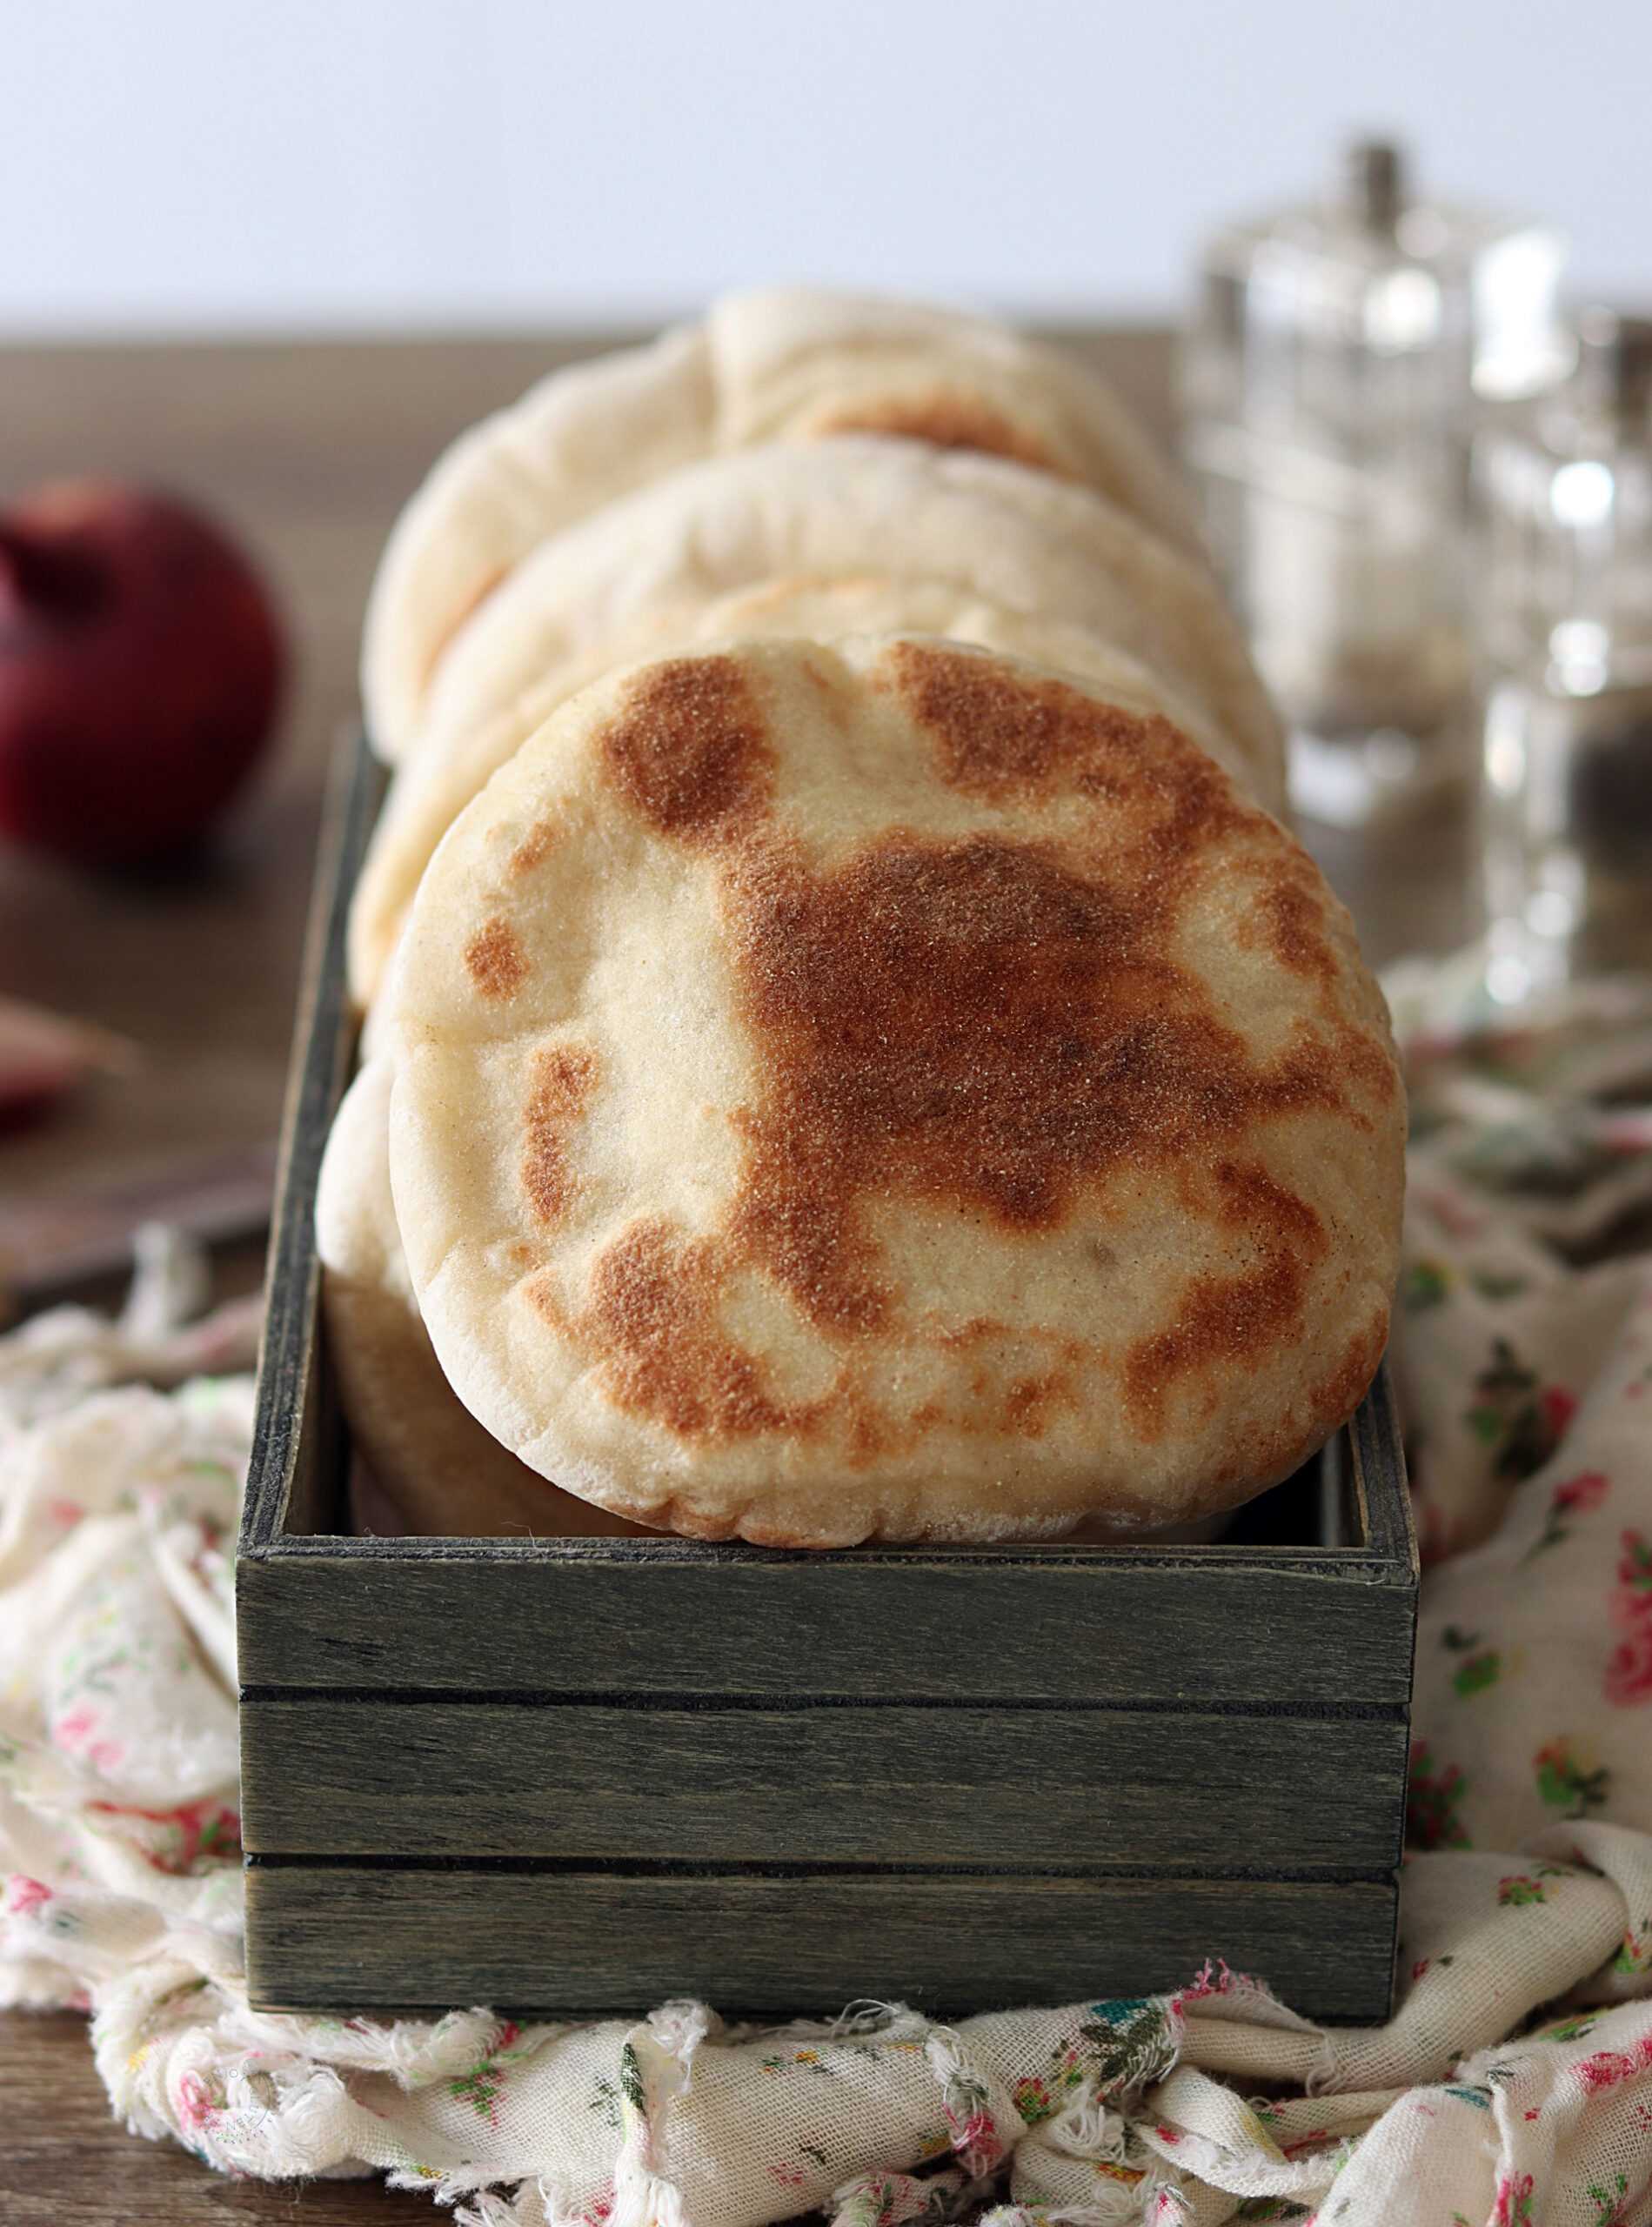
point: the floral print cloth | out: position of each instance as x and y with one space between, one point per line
1512 2087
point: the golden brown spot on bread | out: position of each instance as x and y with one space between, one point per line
495 960
1262 1456
975 1025
1029 1400
653 1309
1342 1393
1229 1323
1293 914
564 1076
948 419
535 846
1368 1062
1011 737
689 751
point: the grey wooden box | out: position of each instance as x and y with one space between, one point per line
587 1775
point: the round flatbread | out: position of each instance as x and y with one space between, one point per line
839 508
887 1092
587 433
441 1472
430 790
847 505
778 364
792 362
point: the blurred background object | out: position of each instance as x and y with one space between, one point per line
1338 352
1563 584
140 667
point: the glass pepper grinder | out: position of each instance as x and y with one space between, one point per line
1329 380
1564 642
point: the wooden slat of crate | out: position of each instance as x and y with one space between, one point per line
552 1941
608 1616
331 1776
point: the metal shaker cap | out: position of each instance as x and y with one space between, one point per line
1374 183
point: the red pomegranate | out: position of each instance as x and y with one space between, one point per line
140 668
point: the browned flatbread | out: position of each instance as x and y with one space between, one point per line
889 1092
785 363
443 1475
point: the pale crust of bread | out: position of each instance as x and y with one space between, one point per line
445 1475
889 1093
791 362
581 437
776 364
849 504
430 790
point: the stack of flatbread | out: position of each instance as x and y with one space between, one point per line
851 1050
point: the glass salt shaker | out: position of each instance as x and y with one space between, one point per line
1564 638
1329 381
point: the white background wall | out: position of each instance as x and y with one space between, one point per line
226 165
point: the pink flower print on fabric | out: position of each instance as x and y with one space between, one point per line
1041 2095
889 2199
1634 1951
1519 1421
1513 2205
198 2105
977 2142
966 2105
1608 2067
22 1895
1611 2206
1433 1798
193 1838
78 1734
1558 1407
1628 1675
1521 1888
1629 1670
482 2086
1576 1496
1214 1978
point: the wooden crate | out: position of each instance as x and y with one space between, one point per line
586 1774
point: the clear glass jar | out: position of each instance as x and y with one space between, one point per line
1563 629
1329 381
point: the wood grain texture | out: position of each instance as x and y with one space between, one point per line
1208 1795
1190 1632
295 1453
1375 1450
545 1943
65 2161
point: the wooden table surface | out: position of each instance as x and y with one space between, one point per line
307 450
